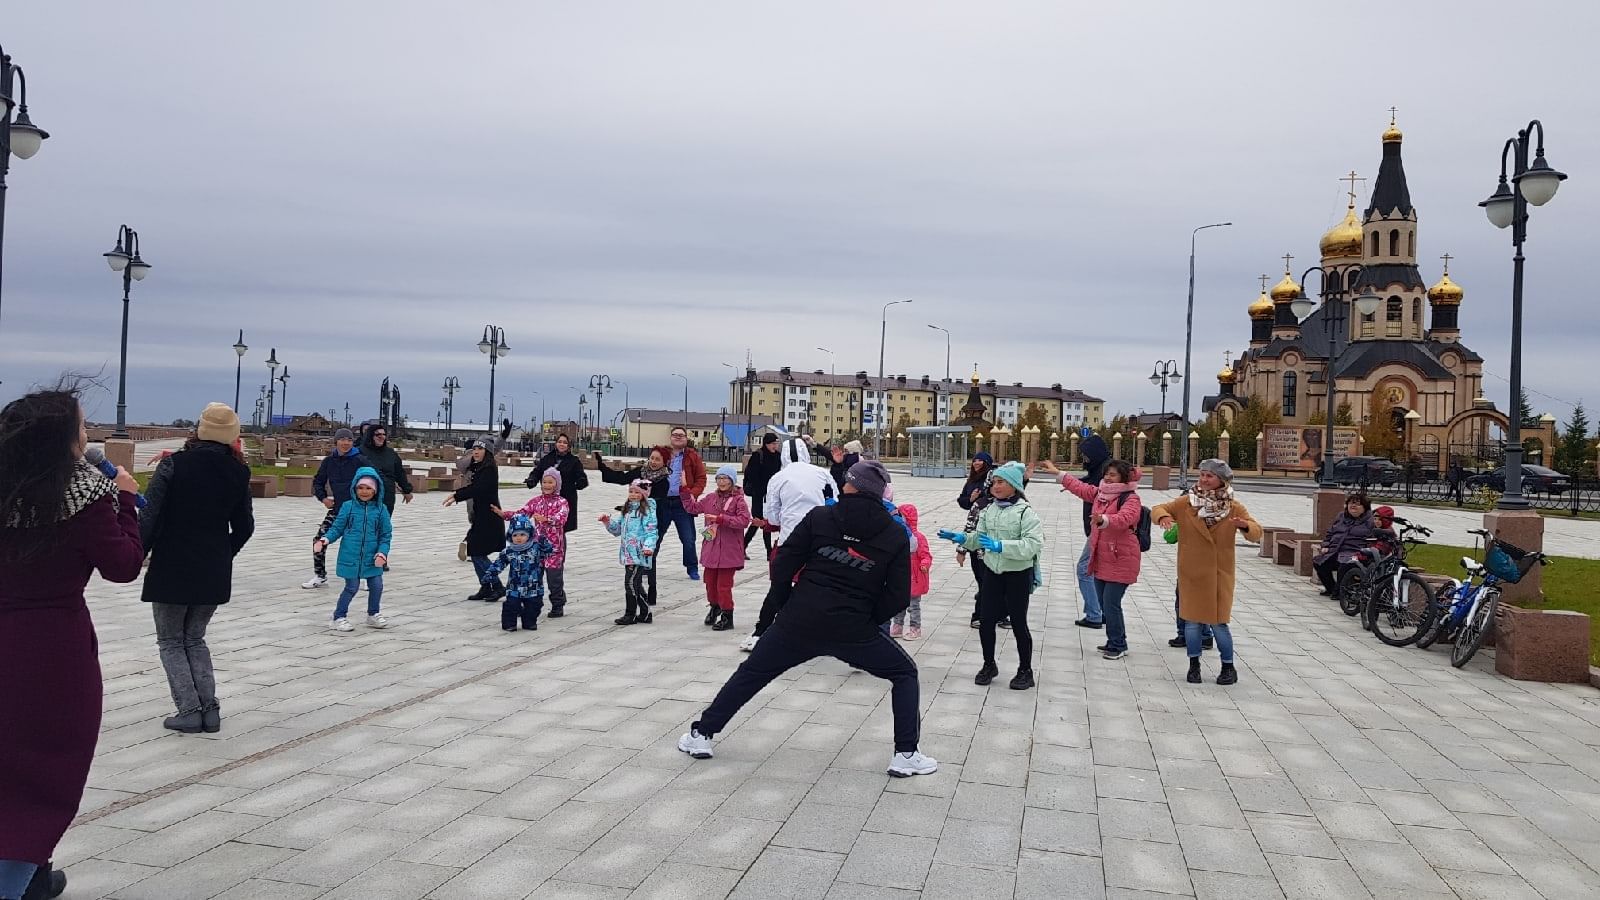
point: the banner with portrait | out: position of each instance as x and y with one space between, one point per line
1298 448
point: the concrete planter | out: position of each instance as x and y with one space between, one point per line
1542 645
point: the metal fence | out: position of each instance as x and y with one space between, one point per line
1582 496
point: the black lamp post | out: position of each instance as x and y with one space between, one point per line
1163 374
18 135
272 377
1334 282
685 398
284 380
599 384
494 344
1188 363
451 385
883 396
1534 183
239 350
126 260
583 417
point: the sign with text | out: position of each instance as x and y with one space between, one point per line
1298 448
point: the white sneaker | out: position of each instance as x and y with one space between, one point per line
377 622
695 744
342 625
904 765
315 583
749 643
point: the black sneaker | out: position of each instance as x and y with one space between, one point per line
556 612
986 674
1023 680
625 620
1102 647
1085 623
975 622
1005 623
1177 642
644 619
1228 675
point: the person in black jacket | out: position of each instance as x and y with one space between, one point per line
573 478
380 456
975 493
854 567
197 519
487 534
1095 457
331 487
758 470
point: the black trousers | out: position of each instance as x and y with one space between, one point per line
526 609
1328 572
756 511
979 570
1005 595
635 593
780 650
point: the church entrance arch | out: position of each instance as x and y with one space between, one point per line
1475 438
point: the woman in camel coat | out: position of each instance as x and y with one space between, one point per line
1208 519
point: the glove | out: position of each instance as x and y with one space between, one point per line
1171 534
988 543
951 536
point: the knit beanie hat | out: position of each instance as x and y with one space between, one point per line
870 478
553 475
521 522
218 422
367 479
1012 472
730 471
641 484
769 439
853 447
1218 468
344 434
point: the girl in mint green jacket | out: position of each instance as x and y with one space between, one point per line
1011 537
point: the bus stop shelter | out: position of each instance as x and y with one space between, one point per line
940 451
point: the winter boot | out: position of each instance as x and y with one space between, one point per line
484 592
211 719
643 616
625 619
46 884
711 614
986 674
188 723
1023 680
1194 670
724 620
497 591
1227 675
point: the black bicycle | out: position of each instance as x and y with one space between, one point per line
1394 603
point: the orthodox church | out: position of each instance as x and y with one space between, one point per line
1415 363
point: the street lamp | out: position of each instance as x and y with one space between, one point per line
126 260
1334 281
833 372
272 377
944 388
583 416
1163 374
883 337
451 385
17 135
685 397
1534 183
599 384
1188 363
239 350
284 380
494 344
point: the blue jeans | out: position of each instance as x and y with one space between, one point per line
1205 630
374 594
1087 588
1110 594
14 877
480 567
672 514
1191 634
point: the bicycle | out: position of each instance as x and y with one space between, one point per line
1399 602
1354 587
1468 617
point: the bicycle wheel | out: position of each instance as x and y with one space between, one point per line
1469 637
1403 619
1352 589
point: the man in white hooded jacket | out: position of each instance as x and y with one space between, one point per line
797 489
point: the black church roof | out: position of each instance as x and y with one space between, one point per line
1390 194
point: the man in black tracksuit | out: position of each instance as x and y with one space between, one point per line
854 565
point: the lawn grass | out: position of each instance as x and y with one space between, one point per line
144 477
1569 583
1592 515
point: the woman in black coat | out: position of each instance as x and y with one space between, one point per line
486 535
573 478
197 519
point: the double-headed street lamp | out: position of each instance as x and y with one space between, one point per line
18 134
878 411
1163 374
599 384
1334 282
239 350
124 258
272 377
1534 183
451 385
1188 363
494 344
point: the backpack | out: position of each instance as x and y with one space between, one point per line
1141 528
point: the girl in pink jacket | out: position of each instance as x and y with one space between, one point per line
726 513
921 565
549 511
1114 553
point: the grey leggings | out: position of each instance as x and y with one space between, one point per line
181 638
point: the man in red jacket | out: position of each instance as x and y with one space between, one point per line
688 477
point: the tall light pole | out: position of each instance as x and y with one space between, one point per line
833 373
1163 374
1534 183
18 135
1335 281
451 385
877 412
944 388
540 429
599 384
494 344
284 380
685 397
126 260
626 400
239 350
1188 361
272 377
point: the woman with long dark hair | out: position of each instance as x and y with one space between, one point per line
198 519
487 534
60 521
573 478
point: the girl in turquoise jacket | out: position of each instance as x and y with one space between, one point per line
636 525
364 524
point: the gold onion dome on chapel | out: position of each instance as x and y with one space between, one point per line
1285 290
1344 239
1262 308
1226 375
1446 292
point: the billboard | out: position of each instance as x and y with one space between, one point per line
1298 448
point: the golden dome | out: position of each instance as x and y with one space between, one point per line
1262 308
1446 292
1285 290
1344 239
1392 134
1227 375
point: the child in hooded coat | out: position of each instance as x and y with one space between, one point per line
636 525
921 565
363 524
526 556
726 514
549 512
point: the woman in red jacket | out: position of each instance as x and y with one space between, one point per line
60 520
1114 552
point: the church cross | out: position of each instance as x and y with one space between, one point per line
1264 279
1447 257
1392 112
1227 358
1352 178
1286 258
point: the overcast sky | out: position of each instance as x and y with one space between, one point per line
644 188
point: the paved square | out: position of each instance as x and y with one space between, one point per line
444 758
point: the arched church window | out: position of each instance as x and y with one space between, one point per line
1395 307
1291 385
1394 242
1411 243
1393 317
1374 244
1416 316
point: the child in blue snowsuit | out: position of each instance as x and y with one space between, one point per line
524 558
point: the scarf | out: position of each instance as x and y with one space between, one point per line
653 474
86 486
1212 506
1110 492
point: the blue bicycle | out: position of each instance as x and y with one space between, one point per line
1465 611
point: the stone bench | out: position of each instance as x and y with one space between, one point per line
1295 549
1269 538
445 483
419 482
297 485
1541 644
263 487
440 471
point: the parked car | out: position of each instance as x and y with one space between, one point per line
1535 480
1365 470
